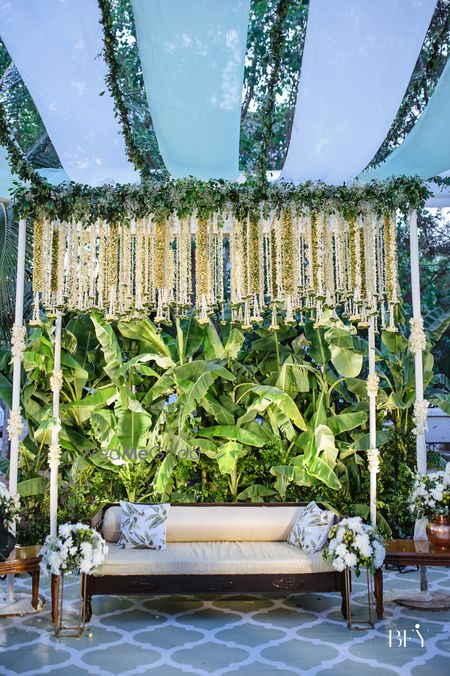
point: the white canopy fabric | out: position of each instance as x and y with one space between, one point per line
357 62
56 45
425 152
192 54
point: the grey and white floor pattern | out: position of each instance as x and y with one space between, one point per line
246 635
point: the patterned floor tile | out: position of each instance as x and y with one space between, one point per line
168 637
261 669
211 656
10 636
330 632
314 602
378 649
348 668
244 604
284 617
225 635
121 658
134 619
252 635
437 666
303 654
209 618
32 659
172 605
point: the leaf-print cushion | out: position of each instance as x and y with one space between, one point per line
143 526
311 530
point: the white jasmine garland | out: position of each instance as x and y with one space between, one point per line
420 416
18 341
353 544
372 385
417 338
76 548
56 380
15 425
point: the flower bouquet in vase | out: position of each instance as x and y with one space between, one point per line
352 545
76 549
430 499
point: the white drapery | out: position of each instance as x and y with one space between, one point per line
192 54
425 152
357 61
56 45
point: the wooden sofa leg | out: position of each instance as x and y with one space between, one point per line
378 578
55 597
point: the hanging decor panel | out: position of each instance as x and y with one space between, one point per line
286 262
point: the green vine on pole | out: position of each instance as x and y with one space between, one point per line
268 108
112 80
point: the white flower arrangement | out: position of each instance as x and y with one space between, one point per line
430 495
420 416
417 339
354 544
76 548
9 507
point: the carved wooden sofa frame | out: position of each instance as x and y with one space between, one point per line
157 584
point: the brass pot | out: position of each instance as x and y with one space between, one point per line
438 531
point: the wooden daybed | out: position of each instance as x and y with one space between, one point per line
214 548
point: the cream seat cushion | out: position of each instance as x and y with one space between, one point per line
211 523
213 558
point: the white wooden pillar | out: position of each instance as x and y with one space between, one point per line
15 426
417 344
373 453
17 350
55 449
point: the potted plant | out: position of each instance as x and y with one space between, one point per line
9 515
430 499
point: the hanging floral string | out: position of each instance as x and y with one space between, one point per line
280 262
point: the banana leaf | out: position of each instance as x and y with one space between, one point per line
436 323
163 474
234 433
144 331
346 362
110 348
228 455
234 343
36 486
256 493
273 396
344 422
